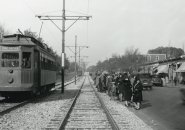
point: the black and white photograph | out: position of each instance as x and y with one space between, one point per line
92 65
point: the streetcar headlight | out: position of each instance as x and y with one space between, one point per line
10 80
10 71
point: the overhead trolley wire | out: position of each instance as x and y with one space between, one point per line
33 12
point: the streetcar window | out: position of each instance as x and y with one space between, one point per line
10 60
26 60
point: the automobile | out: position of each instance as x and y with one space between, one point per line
146 80
157 81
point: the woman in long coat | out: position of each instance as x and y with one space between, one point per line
121 86
116 80
137 92
97 81
127 90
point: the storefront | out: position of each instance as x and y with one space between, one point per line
181 73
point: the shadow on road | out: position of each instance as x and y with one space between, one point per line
145 104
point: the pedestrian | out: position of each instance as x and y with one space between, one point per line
97 81
121 86
175 80
112 90
102 82
28 63
127 90
24 62
96 74
132 79
109 81
116 80
137 92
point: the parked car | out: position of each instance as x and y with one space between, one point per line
146 80
157 81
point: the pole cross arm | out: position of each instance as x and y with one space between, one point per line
54 24
84 46
70 49
52 18
45 17
69 46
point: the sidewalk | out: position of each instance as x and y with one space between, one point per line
172 85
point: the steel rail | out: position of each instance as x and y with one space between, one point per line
72 81
64 121
24 102
13 108
109 116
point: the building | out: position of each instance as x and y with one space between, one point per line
169 68
155 57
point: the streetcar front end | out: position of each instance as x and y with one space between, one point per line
15 78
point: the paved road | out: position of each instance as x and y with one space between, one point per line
162 108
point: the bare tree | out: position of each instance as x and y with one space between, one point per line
171 52
30 33
126 62
3 31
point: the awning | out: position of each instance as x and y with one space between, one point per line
181 68
162 69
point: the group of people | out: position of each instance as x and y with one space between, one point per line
122 86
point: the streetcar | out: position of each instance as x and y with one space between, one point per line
26 65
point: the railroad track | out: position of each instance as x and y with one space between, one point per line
66 83
8 106
86 111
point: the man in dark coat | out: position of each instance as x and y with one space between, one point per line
109 81
137 92
98 81
101 83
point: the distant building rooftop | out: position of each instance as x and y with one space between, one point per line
155 57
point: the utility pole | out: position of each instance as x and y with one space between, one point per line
75 57
76 54
63 47
85 65
79 59
63 30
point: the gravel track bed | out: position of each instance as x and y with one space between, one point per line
125 119
87 112
4 106
37 115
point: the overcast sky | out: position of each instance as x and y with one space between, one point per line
115 24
